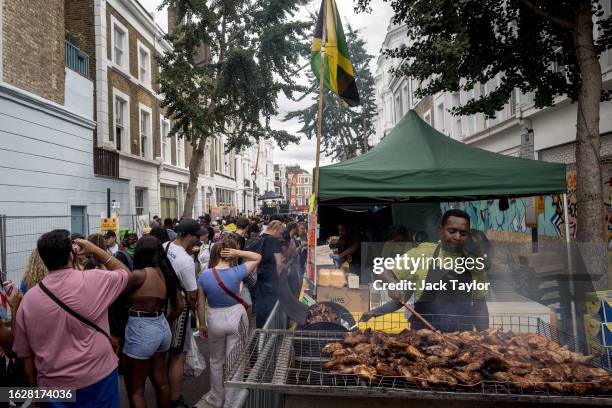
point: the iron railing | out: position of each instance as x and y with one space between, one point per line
106 162
76 59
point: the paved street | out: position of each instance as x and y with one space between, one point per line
193 387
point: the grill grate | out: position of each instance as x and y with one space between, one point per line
292 362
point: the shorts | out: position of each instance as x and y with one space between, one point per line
145 336
103 394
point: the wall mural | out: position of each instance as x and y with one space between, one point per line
486 215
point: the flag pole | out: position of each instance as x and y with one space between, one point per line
320 112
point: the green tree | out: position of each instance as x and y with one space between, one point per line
457 45
345 131
230 60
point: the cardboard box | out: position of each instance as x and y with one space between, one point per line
354 300
352 280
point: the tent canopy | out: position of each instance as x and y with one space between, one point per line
415 162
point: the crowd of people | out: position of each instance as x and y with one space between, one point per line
90 309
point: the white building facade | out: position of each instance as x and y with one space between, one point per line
519 129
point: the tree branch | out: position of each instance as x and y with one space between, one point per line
568 25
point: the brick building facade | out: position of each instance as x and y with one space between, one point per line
33 37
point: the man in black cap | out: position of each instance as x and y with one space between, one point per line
188 233
110 237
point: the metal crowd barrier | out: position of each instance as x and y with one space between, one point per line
258 398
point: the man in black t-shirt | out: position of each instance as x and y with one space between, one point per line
265 293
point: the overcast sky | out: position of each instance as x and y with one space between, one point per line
373 28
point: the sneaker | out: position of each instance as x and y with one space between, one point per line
180 403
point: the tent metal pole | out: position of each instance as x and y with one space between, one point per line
570 266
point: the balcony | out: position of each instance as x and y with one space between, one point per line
106 162
76 59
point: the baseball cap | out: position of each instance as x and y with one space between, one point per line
109 233
189 226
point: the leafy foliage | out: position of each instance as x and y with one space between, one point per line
345 131
457 45
250 48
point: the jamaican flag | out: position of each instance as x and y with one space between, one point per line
338 69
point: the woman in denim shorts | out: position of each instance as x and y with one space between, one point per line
147 334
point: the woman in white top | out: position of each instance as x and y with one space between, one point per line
204 254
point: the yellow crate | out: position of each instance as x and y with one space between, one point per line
391 323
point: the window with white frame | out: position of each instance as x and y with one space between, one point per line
439 118
139 200
398 108
405 99
144 64
164 131
180 151
121 53
145 130
121 119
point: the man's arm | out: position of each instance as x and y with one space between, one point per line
6 337
112 263
278 257
177 307
201 311
30 370
350 250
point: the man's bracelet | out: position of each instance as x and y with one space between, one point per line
108 260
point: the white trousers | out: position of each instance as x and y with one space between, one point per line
227 328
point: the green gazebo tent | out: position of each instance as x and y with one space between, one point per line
415 162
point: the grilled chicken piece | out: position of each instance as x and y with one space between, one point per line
599 373
344 369
436 361
572 357
519 370
530 381
442 376
376 337
396 344
502 376
553 374
475 366
429 335
414 353
536 341
441 351
464 357
341 353
354 338
578 388
415 375
553 346
363 348
386 370
330 348
469 337
467 378
365 371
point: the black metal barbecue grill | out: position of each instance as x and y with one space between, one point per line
292 363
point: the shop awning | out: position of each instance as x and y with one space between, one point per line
415 162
